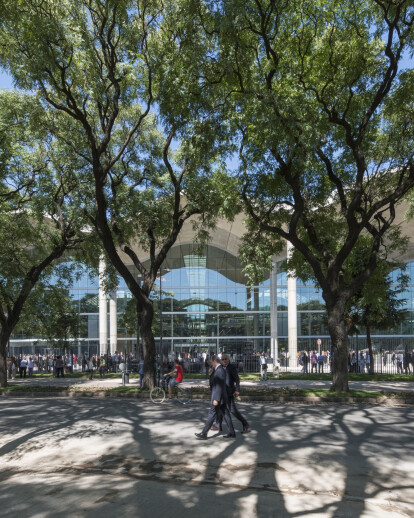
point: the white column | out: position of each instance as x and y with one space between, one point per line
292 314
274 349
113 322
103 314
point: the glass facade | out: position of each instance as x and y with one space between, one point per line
207 305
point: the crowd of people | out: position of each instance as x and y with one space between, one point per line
314 362
59 364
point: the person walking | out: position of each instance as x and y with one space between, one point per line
233 391
90 367
102 366
219 401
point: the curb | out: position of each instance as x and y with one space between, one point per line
310 400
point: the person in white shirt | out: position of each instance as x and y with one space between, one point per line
23 367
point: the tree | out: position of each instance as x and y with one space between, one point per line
54 316
118 78
379 304
315 93
37 222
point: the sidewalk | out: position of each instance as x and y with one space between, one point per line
387 386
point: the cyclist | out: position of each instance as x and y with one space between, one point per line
178 375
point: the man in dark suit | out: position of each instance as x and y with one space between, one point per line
233 390
219 401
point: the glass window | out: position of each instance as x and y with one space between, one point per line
88 301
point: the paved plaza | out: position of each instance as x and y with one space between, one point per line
100 458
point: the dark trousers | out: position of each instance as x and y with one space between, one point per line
215 414
235 411
22 371
59 370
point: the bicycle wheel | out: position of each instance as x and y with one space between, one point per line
184 396
157 395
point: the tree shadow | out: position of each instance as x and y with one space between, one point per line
298 460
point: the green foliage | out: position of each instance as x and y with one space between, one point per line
379 304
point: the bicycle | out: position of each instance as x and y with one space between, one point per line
158 394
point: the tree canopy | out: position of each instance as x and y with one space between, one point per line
121 83
38 221
321 107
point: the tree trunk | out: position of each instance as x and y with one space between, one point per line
337 330
369 342
145 315
3 360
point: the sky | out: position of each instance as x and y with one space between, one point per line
5 81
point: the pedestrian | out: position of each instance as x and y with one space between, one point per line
91 367
321 362
14 368
141 371
233 391
23 367
59 366
102 366
263 367
399 358
361 362
9 367
30 367
368 362
314 362
207 365
407 361
219 400
305 362
353 362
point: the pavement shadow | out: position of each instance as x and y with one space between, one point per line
101 457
